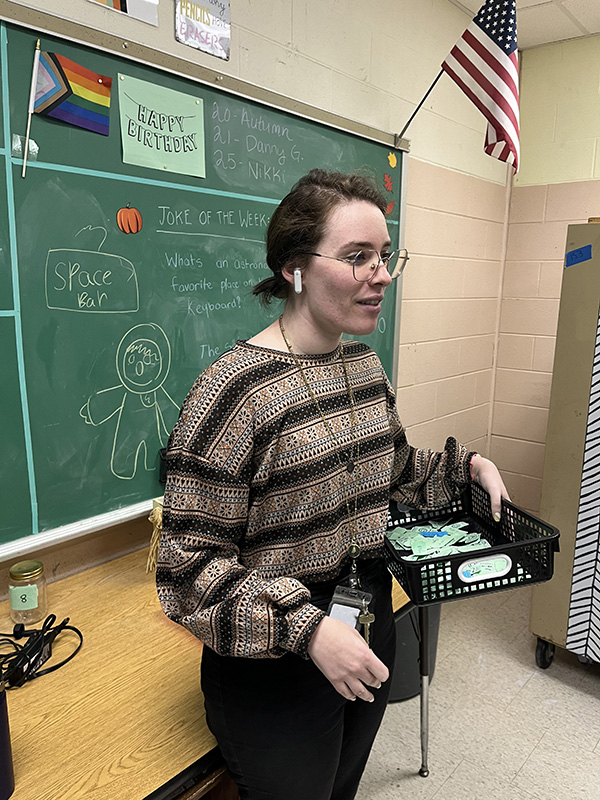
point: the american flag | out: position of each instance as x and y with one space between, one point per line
483 63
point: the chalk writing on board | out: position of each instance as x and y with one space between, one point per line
248 142
232 277
227 265
206 309
180 287
186 260
182 218
90 281
145 412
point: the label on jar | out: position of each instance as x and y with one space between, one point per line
23 598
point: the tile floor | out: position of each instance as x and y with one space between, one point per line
500 728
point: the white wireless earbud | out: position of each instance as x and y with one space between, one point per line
297 281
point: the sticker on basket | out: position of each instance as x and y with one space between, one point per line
477 569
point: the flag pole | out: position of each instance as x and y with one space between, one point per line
414 114
34 72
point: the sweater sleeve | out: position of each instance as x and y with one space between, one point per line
424 478
201 578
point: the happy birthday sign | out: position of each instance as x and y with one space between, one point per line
161 128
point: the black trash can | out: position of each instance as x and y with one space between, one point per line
406 679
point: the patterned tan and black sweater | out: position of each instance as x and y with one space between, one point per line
255 505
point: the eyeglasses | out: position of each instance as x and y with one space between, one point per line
366 263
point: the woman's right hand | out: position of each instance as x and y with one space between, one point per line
343 656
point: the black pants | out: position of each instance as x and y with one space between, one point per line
284 731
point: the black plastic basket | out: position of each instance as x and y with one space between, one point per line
525 545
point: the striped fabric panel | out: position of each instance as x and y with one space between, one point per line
74 112
583 630
52 86
89 105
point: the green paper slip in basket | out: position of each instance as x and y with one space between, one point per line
426 541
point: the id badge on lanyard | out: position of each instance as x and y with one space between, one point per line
351 605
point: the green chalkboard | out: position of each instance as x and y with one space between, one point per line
15 495
6 293
114 327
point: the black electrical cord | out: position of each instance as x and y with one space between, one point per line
23 662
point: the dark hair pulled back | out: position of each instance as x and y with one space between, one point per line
298 223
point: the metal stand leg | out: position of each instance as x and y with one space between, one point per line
424 672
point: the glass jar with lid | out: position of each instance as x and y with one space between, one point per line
27 591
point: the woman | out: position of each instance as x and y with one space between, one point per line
281 468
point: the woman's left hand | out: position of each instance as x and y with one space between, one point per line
485 472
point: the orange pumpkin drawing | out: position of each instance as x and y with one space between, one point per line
129 219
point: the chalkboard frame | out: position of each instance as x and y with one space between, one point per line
90 38
104 41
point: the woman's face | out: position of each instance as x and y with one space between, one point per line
333 300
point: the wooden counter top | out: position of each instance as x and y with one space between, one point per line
126 714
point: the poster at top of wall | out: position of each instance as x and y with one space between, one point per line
144 10
161 128
205 25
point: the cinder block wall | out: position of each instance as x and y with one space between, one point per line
455 232
558 184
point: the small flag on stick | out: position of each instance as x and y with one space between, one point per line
51 84
72 93
64 90
34 77
484 64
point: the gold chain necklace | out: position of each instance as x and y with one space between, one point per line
353 547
